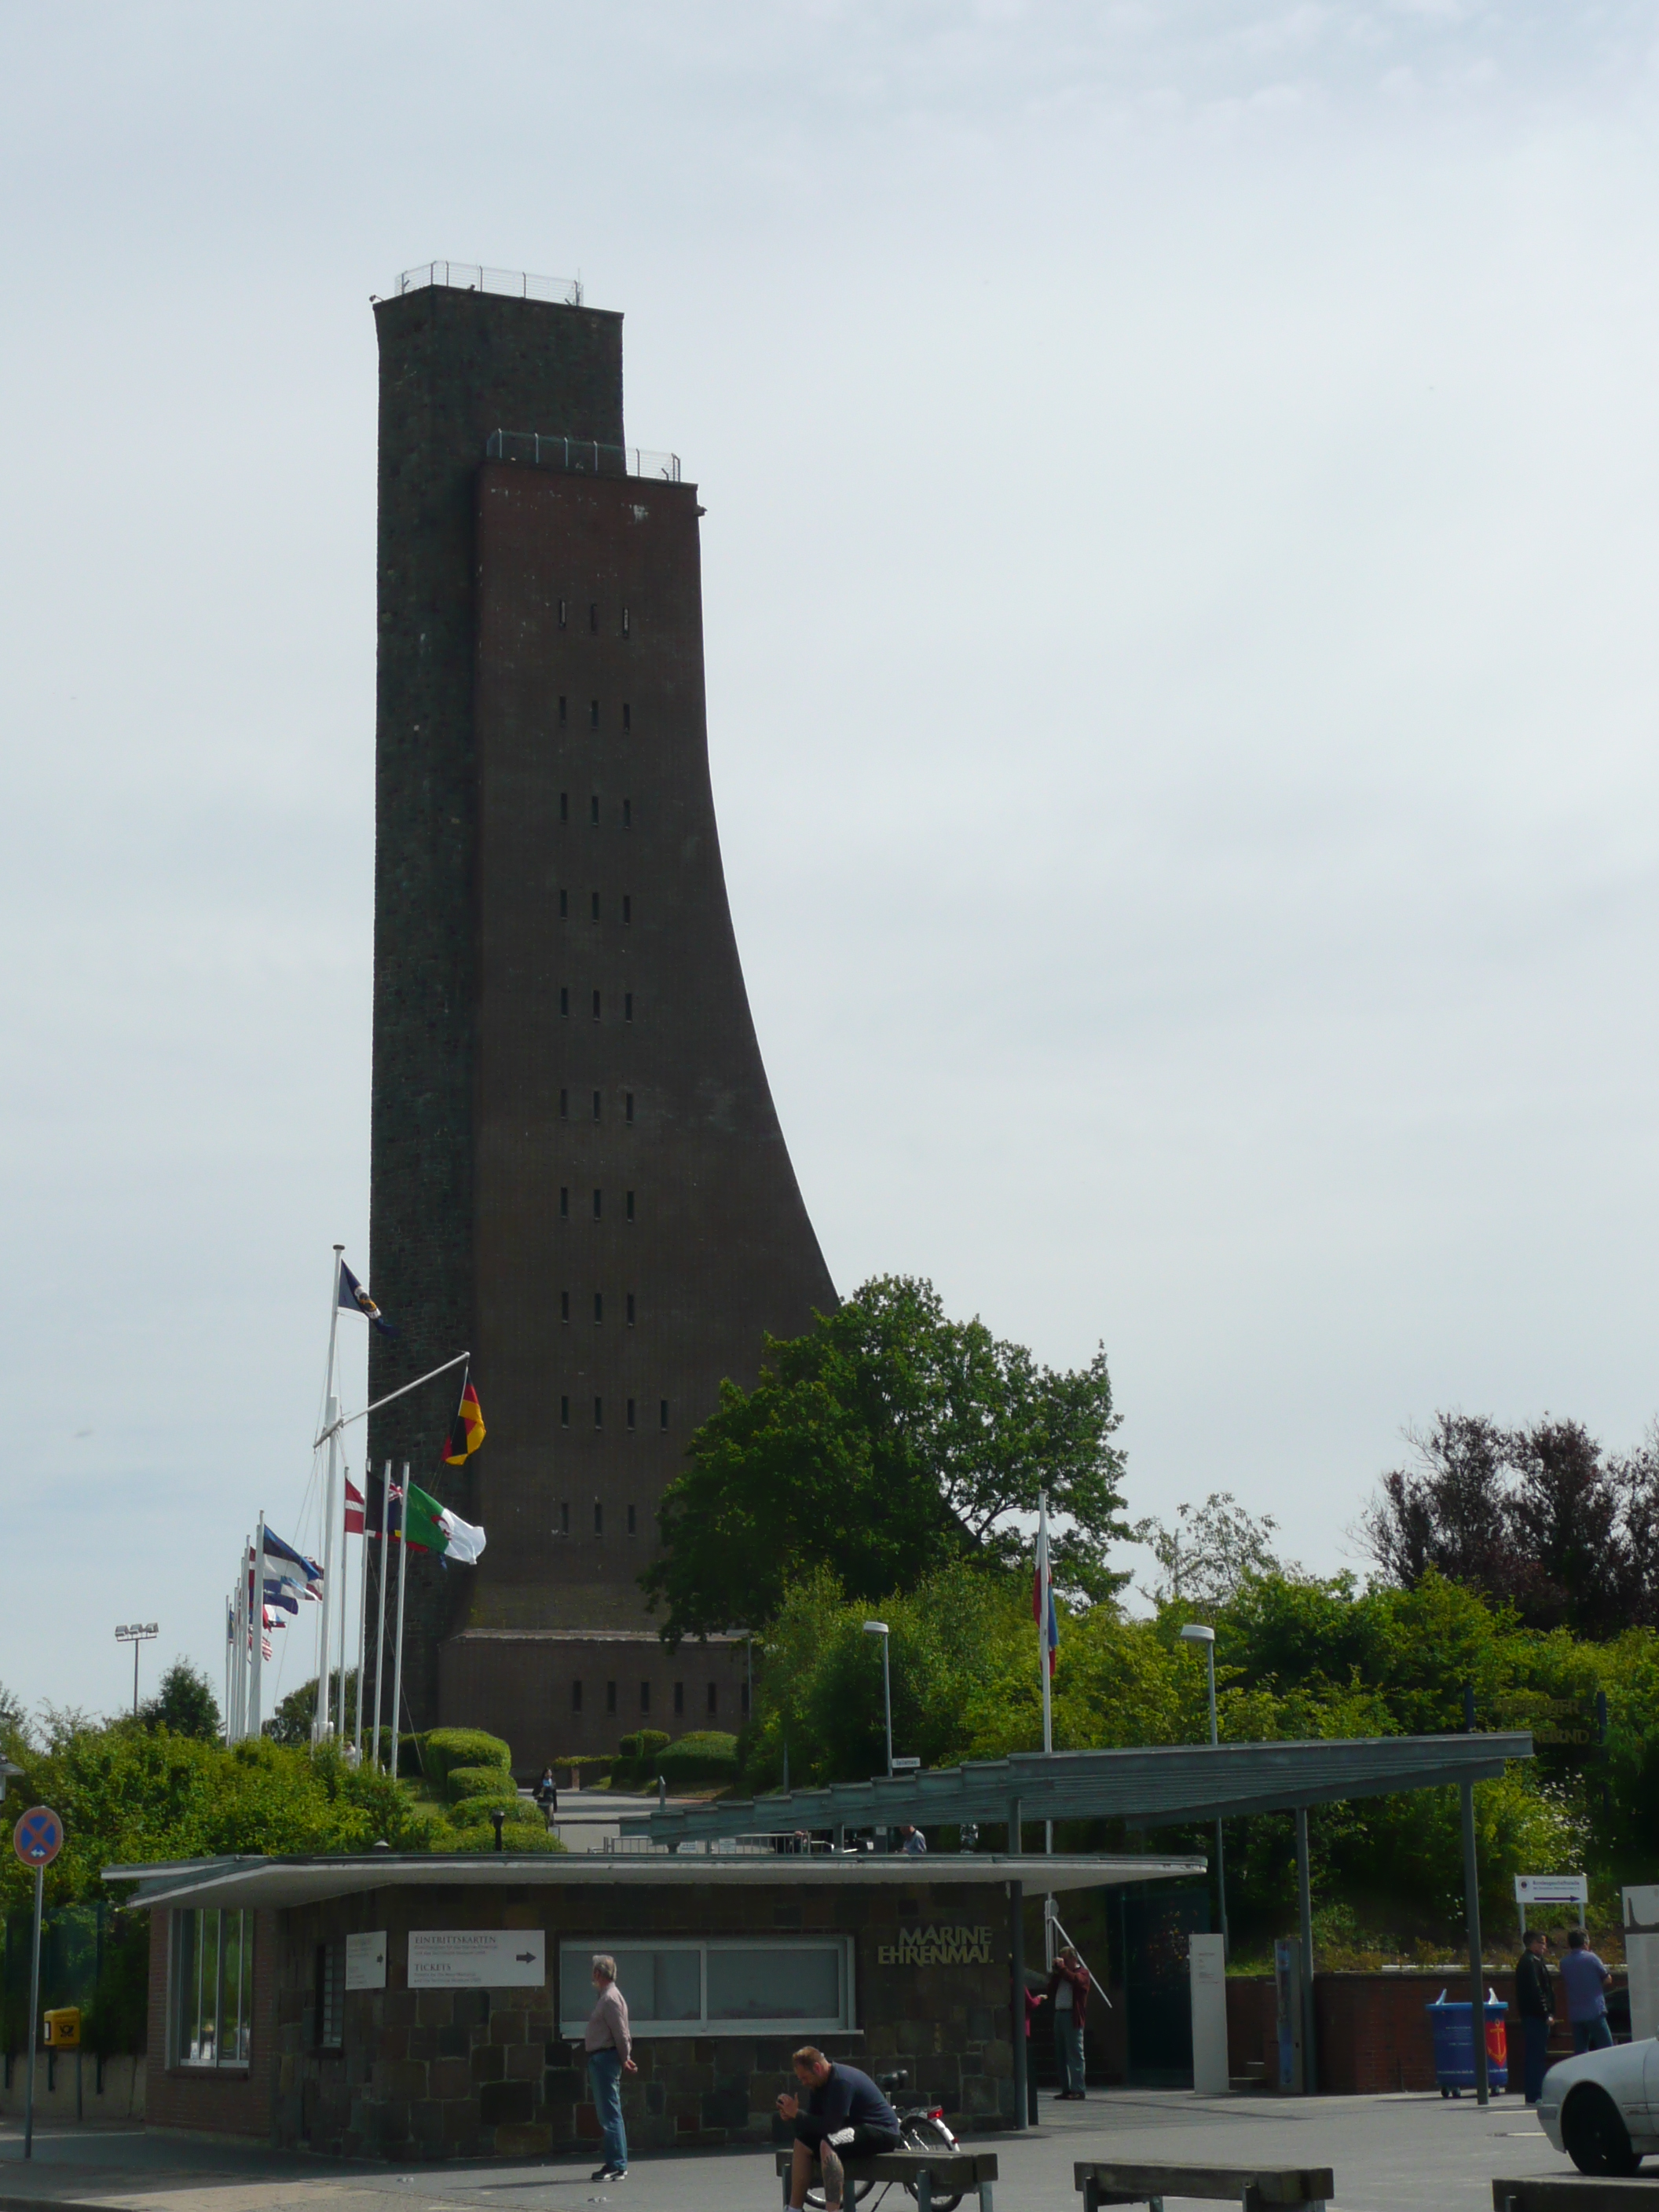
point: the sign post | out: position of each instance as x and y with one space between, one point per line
37 1840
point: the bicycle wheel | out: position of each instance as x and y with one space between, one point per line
920 2131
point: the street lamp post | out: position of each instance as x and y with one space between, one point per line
139 1633
880 1628
1195 1633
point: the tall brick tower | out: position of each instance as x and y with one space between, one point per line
577 1170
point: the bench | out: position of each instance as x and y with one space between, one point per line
1118 2181
1571 2192
943 2172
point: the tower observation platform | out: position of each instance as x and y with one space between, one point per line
576 1168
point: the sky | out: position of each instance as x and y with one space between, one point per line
1179 568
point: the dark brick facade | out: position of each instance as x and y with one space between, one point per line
431 2073
1374 2038
560 1012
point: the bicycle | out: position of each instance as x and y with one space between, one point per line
921 2127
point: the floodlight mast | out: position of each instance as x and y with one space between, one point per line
135 1633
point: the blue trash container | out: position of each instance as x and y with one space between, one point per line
1454 2050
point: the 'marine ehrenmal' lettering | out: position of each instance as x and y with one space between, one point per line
938 1945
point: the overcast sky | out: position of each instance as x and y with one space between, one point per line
1179 570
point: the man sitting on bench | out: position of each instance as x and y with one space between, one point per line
845 2115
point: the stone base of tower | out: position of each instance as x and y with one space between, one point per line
556 1694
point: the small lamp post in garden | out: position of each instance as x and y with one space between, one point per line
1196 1632
880 1628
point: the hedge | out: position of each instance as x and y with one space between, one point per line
705 1755
471 1809
477 1781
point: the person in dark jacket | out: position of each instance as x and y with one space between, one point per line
838 2113
1535 2000
1068 1997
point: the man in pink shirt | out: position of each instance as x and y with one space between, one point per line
609 2047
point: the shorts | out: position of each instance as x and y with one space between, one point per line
866 2140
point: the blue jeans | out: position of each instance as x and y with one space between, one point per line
1535 2035
604 2079
1591 2034
1068 2052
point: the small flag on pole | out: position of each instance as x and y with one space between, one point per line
431 1527
467 1432
354 1509
356 1299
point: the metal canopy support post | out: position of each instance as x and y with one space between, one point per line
1015 1824
1304 1901
1472 1908
1016 1997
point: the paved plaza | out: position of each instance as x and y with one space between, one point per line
1399 2154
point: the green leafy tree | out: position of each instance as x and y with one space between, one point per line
291 1721
184 1703
884 1445
1209 1553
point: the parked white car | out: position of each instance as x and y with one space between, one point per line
1602 2107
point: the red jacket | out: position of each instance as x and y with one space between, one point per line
1079 1978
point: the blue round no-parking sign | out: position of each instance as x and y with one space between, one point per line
39 1836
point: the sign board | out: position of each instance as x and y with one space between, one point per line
906 1765
1641 1909
39 1836
1551 1889
1206 1963
477 1958
366 1961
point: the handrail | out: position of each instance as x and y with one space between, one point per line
580 456
508 283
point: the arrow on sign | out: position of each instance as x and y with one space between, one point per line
525 1958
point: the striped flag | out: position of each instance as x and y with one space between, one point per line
354 1510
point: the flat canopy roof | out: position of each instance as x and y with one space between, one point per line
257 1881
1148 1788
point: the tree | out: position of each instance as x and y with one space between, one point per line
1208 1555
291 1722
885 1444
184 1703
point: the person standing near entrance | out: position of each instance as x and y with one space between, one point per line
1069 1994
1535 2000
1585 1980
609 2047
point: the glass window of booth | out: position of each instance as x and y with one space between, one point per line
212 1989
796 1985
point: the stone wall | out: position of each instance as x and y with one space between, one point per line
469 2072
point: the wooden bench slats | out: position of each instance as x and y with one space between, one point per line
1111 2181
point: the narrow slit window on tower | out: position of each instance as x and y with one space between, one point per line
564 999
575 1697
628 716
564 1105
627 624
662 1415
599 1518
595 910
593 616
564 712
596 1005
564 1412
564 613
610 1697
631 1310
633 1525
714 1699
631 1413
628 1106
564 806
564 1518
628 907
629 1207
564 906
598 1096
599 1305
598 1204
593 811
628 1006
599 1413
679 1700
564 1305
564 1201
628 814
644 1697
592 714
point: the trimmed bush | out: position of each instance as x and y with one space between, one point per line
476 1781
705 1755
447 1748
470 1810
516 1836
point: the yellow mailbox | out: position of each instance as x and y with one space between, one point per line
63 2029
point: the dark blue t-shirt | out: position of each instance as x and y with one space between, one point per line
849 2099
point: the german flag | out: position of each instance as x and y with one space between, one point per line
467 1432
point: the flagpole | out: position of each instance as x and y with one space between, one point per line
1043 1656
230 1646
345 1420
379 1637
345 1584
256 1616
403 1576
239 1672
362 1619
319 1726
